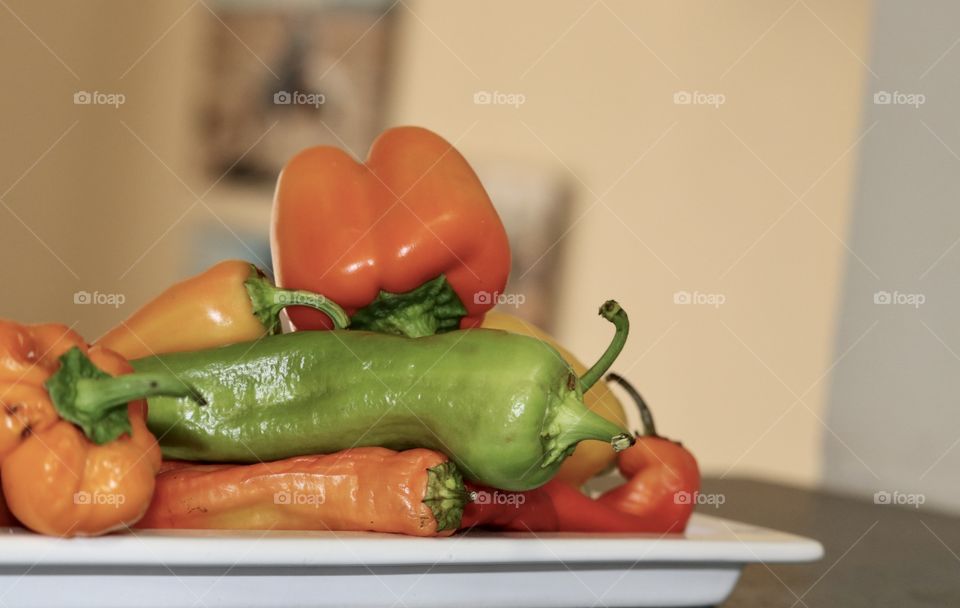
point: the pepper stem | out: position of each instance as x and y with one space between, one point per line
646 416
433 307
97 402
611 311
446 495
268 301
572 423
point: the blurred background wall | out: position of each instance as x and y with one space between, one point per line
706 153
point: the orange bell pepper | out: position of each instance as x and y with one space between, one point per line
230 302
30 353
407 242
590 458
76 457
416 492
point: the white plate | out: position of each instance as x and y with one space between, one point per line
207 568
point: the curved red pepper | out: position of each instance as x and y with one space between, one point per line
412 218
663 478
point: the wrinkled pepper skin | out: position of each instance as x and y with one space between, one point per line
417 492
28 356
230 302
57 482
412 212
505 408
590 457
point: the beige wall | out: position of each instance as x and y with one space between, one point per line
86 190
686 190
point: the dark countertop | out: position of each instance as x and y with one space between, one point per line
876 555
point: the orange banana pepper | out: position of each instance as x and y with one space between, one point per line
416 492
230 302
407 242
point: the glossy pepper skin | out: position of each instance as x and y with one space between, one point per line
412 218
663 477
58 479
230 302
30 353
504 407
417 492
590 458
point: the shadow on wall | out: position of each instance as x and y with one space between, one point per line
893 416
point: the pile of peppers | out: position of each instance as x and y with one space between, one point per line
397 401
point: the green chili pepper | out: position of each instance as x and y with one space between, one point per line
506 408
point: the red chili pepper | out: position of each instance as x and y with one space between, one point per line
407 242
663 478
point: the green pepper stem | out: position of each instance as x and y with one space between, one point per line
268 301
572 423
96 402
433 307
611 311
96 395
646 416
446 495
